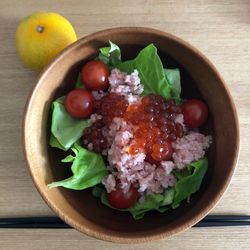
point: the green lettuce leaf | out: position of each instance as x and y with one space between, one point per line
110 55
65 129
79 84
155 78
88 169
189 183
181 174
174 79
151 72
55 143
156 202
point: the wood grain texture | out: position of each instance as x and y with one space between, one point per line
64 239
220 29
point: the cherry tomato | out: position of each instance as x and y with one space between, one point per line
195 113
79 103
94 75
121 200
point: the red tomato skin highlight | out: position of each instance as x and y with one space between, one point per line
121 200
195 113
79 103
94 75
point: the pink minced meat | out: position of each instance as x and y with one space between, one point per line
180 119
127 85
132 169
95 117
189 148
98 95
109 182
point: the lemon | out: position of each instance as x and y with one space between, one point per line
41 36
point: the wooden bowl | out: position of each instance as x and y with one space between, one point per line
79 208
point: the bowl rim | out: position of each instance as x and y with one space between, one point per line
126 237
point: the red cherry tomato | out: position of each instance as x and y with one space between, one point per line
121 200
79 103
195 113
94 75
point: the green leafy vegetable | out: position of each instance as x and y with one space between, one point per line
174 79
65 130
79 84
189 184
151 71
154 77
55 143
110 55
156 202
88 169
181 174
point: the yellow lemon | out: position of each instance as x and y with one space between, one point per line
41 36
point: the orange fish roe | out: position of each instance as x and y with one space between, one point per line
111 106
108 107
156 127
153 117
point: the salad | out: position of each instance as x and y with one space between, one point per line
129 135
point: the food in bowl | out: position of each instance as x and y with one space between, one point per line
134 140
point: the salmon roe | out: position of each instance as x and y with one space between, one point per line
156 127
109 107
154 118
